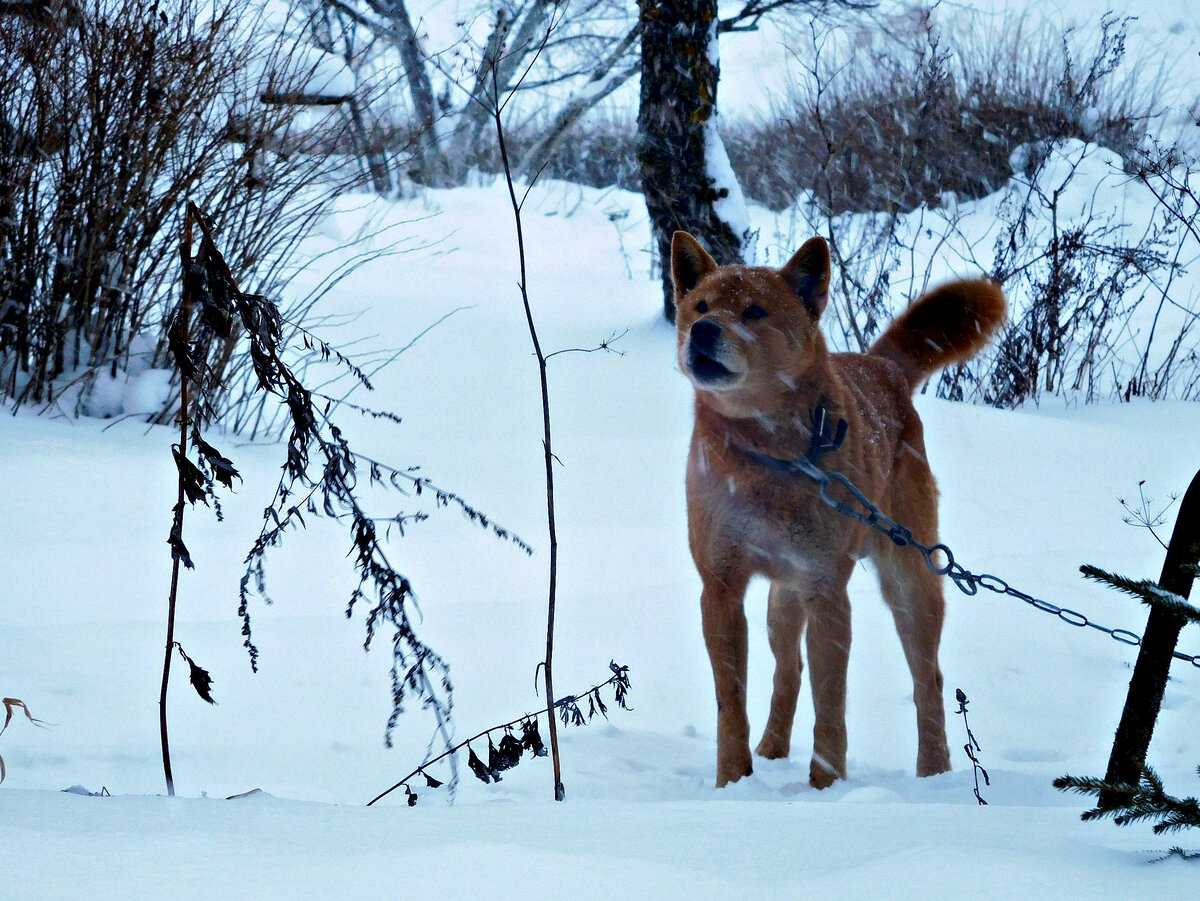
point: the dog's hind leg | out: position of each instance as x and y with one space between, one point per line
785 623
828 646
724 621
914 595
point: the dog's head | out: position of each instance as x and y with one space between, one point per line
747 334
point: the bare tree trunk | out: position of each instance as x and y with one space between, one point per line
431 157
677 131
432 167
509 52
367 149
481 100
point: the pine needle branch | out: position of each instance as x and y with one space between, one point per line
1146 591
1147 800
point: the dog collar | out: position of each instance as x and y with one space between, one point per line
823 440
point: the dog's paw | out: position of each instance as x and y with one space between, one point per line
821 774
933 764
933 754
733 768
773 747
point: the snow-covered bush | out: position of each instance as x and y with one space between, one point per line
1096 266
885 121
602 151
1095 262
950 159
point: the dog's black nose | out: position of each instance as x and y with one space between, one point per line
703 337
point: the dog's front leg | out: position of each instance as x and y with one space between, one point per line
786 613
724 620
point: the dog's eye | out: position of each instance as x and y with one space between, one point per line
702 307
754 311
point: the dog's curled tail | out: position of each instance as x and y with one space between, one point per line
948 325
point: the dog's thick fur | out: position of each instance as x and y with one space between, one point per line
750 343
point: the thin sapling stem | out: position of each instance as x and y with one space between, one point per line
559 790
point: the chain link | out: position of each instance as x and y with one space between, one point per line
966 581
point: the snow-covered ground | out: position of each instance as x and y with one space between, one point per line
1030 495
84 571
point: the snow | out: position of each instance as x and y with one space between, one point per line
309 73
267 848
1029 494
326 76
730 205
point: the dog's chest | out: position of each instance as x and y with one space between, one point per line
771 523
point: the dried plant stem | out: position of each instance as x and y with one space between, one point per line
214 313
972 746
619 678
559 790
185 313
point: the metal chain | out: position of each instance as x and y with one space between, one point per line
967 582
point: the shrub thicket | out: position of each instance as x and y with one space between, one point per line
876 131
112 114
927 116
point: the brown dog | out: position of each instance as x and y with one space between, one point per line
750 343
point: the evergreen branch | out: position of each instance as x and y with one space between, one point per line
1150 593
1091 785
1147 800
1179 852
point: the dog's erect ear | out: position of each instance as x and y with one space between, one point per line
807 274
689 262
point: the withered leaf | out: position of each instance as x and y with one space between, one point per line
11 704
221 466
180 348
191 479
494 763
200 678
596 703
179 550
531 739
477 767
620 684
569 712
508 754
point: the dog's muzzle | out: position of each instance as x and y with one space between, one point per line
703 351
